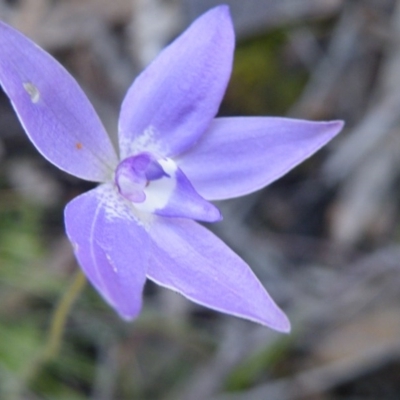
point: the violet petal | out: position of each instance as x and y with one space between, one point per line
111 245
52 108
240 155
173 101
189 259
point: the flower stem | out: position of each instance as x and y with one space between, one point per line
56 330
60 315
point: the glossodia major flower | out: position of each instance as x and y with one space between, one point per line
173 158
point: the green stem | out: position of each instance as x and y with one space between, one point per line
56 330
60 317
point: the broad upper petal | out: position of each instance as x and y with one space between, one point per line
189 259
174 100
111 245
55 113
237 156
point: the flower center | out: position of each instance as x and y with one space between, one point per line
158 186
134 174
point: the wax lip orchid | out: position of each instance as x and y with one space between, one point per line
174 157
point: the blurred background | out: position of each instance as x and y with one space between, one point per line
324 240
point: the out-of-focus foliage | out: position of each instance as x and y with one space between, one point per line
262 82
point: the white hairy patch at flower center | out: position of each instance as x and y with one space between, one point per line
147 141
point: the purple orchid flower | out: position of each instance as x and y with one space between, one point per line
174 157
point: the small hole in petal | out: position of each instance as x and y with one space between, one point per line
33 91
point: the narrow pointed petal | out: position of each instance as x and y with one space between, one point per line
111 245
172 195
189 259
237 156
174 100
55 113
